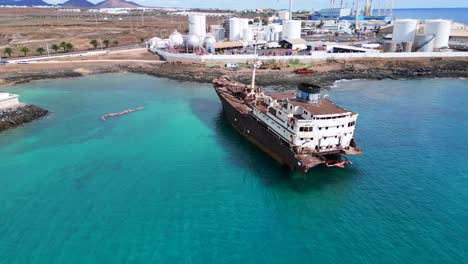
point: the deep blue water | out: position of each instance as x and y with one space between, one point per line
175 184
455 14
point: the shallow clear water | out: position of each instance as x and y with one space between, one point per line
175 184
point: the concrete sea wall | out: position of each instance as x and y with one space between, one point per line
168 56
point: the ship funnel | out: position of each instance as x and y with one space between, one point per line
308 93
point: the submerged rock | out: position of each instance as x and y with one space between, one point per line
20 114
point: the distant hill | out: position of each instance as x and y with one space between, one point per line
24 3
116 4
77 3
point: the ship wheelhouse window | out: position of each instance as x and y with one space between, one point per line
305 129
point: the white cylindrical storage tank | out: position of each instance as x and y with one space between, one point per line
197 25
389 46
404 30
234 29
247 34
176 39
424 43
244 23
441 29
292 29
276 36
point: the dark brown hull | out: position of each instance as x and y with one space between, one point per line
257 133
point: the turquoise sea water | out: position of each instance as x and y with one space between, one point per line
175 184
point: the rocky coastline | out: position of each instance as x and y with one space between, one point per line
20 114
326 72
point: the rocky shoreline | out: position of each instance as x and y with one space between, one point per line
326 72
18 115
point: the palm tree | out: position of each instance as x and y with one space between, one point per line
69 46
25 50
94 43
55 47
8 51
106 42
115 43
40 50
63 45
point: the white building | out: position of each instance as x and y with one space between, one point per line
334 13
8 100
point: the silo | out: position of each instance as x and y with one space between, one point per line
247 34
218 32
404 30
176 39
197 25
407 46
244 23
234 29
424 43
389 46
292 29
441 28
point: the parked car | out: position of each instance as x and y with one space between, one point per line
231 65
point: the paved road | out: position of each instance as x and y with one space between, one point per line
78 54
85 61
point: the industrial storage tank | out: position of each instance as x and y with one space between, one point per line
209 40
407 46
247 34
274 32
244 23
441 28
292 29
218 32
389 46
176 39
192 41
234 29
424 43
197 25
404 30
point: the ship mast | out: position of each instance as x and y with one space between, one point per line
254 64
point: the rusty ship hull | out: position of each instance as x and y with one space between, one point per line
254 130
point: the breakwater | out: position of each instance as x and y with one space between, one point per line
20 114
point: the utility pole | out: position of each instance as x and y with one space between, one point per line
380 6
290 10
47 47
391 8
357 14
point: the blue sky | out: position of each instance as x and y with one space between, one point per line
278 4
298 4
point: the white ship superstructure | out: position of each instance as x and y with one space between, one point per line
307 122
